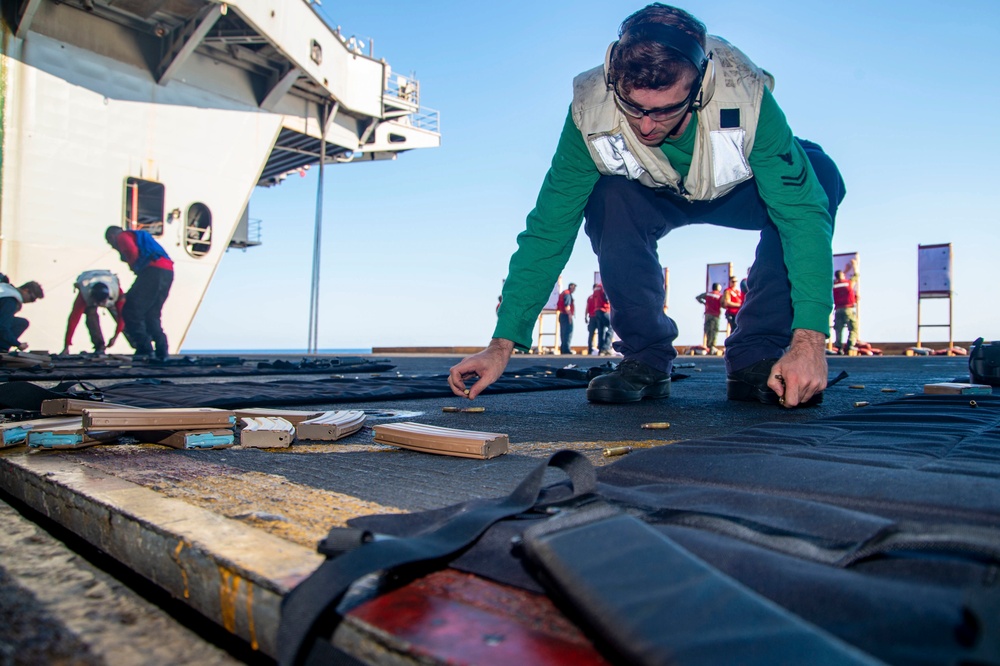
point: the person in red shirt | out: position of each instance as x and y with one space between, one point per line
712 300
98 289
732 300
598 320
845 303
154 273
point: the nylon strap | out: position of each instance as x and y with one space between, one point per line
316 597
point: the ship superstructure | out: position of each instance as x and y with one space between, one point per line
164 115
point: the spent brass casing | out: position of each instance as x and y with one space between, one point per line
613 451
862 403
659 425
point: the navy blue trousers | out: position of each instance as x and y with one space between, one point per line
624 221
565 333
143 308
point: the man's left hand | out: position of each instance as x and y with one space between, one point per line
803 368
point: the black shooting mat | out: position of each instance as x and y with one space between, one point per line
880 525
82 367
697 408
531 406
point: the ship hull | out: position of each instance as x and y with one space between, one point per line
167 122
77 130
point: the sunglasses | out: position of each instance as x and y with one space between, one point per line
662 114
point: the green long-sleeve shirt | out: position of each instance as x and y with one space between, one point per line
799 212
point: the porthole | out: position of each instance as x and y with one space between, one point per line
198 230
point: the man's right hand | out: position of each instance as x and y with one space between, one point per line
489 364
22 346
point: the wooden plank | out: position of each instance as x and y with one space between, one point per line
21 359
236 575
158 419
75 406
442 441
229 572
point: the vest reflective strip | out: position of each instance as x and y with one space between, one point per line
843 295
616 156
729 165
713 304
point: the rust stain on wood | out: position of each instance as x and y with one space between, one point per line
250 623
229 590
180 566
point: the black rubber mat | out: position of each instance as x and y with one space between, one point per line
880 526
336 389
75 368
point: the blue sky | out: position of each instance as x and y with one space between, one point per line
901 94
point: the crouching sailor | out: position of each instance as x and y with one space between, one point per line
679 128
11 300
154 273
98 289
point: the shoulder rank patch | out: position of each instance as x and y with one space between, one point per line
729 118
795 181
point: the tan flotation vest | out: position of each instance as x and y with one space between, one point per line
88 279
726 129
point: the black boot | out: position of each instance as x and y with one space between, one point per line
750 384
631 381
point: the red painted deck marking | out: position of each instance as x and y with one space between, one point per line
461 619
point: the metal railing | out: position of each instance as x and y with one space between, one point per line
254 231
406 89
252 238
426 119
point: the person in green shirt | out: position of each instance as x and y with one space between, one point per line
679 127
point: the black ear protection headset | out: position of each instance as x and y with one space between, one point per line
687 46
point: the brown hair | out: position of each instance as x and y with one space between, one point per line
641 61
33 289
